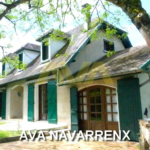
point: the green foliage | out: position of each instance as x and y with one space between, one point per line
94 35
110 53
86 11
13 63
110 32
5 134
57 35
1 123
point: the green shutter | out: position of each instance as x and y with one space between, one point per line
31 102
74 113
4 104
52 102
129 106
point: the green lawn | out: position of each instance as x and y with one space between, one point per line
1 123
4 134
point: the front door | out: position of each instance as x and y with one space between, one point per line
43 107
0 104
98 109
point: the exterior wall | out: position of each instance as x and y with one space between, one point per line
29 56
94 51
12 90
63 105
145 93
54 47
16 103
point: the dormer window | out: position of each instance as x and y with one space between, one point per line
21 57
20 60
3 69
108 46
45 52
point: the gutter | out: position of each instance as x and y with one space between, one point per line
145 65
115 76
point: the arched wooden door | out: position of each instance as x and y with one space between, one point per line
98 109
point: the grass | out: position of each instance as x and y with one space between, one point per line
1 123
5 134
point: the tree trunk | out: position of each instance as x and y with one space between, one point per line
137 14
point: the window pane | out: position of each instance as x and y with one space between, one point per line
3 69
114 99
84 93
85 108
113 91
21 57
108 99
99 117
80 108
107 91
98 108
81 116
115 108
108 108
85 116
98 92
92 99
93 116
84 100
92 92
115 117
44 52
109 117
80 100
92 108
98 99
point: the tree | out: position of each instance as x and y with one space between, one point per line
42 15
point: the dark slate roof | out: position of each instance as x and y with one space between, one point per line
46 34
36 68
123 62
29 46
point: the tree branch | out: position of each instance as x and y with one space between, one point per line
137 14
11 6
4 4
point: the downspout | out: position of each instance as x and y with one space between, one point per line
57 76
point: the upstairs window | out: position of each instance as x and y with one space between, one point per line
45 52
3 69
21 57
108 46
20 60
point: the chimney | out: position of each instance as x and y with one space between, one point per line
87 15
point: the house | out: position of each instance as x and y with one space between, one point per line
82 87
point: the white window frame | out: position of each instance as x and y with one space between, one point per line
105 51
48 59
